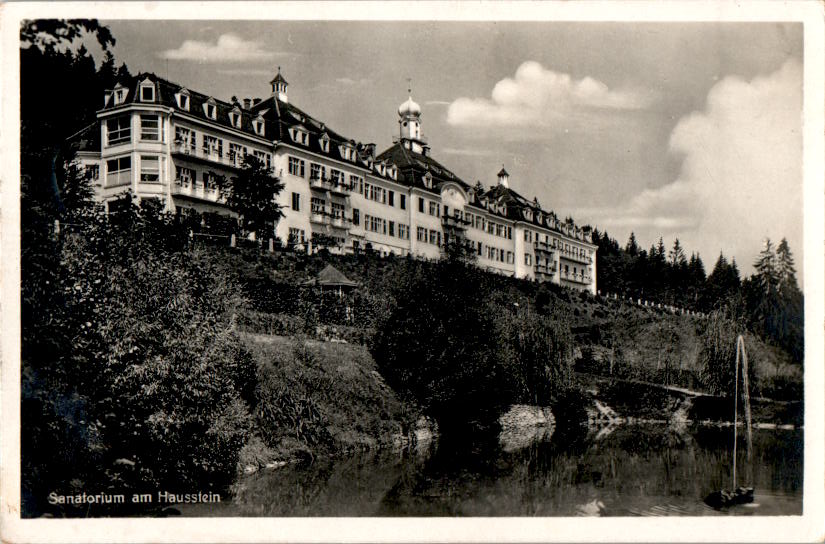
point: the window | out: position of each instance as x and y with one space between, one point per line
119 171
509 233
391 200
119 130
324 142
235 118
317 171
403 231
510 258
318 205
337 210
420 204
212 146
428 180
182 99
147 92
210 181
296 236
528 259
296 167
120 95
435 209
479 249
184 140
298 135
434 237
296 202
356 183
421 234
373 192
356 216
447 211
527 237
184 176
92 172
210 109
392 228
265 158
236 154
499 230
150 127
258 126
402 202
375 224
336 176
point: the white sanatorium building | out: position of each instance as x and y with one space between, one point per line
164 141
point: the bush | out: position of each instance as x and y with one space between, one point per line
437 346
143 346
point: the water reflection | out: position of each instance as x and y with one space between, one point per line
631 470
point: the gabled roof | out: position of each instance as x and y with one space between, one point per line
331 277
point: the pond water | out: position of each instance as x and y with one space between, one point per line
629 470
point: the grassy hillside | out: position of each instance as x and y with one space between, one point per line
346 404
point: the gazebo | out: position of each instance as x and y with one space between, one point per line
333 279
330 280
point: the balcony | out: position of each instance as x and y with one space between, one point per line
209 156
323 217
572 256
544 247
547 269
454 222
198 190
576 278
328 184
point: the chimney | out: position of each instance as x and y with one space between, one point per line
256 101
247 103
370 150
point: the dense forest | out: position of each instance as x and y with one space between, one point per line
769 302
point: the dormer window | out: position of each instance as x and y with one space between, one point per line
540 218
324 142
428 180
182 98
235 118
258 126
147 91
299 135
120 94
210 109
348 152
393 171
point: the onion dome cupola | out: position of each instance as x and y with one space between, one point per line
279 85
409 123
503 177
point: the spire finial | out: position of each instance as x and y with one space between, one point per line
409 86
279 69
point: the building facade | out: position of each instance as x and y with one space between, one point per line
161 140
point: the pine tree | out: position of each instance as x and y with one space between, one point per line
677 254
660 250
766 272
632 246
785 269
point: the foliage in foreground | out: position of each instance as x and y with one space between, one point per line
132 369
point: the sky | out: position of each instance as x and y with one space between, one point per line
673 130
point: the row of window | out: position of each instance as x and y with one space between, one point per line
297 167
557 243
495 253
212 146
428 236
379 225
119 170
119 129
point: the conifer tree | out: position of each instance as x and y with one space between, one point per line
765 264
785 269
632 246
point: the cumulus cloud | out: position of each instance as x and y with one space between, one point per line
227 48
741 176
539 96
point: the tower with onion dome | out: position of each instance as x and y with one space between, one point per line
409 123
